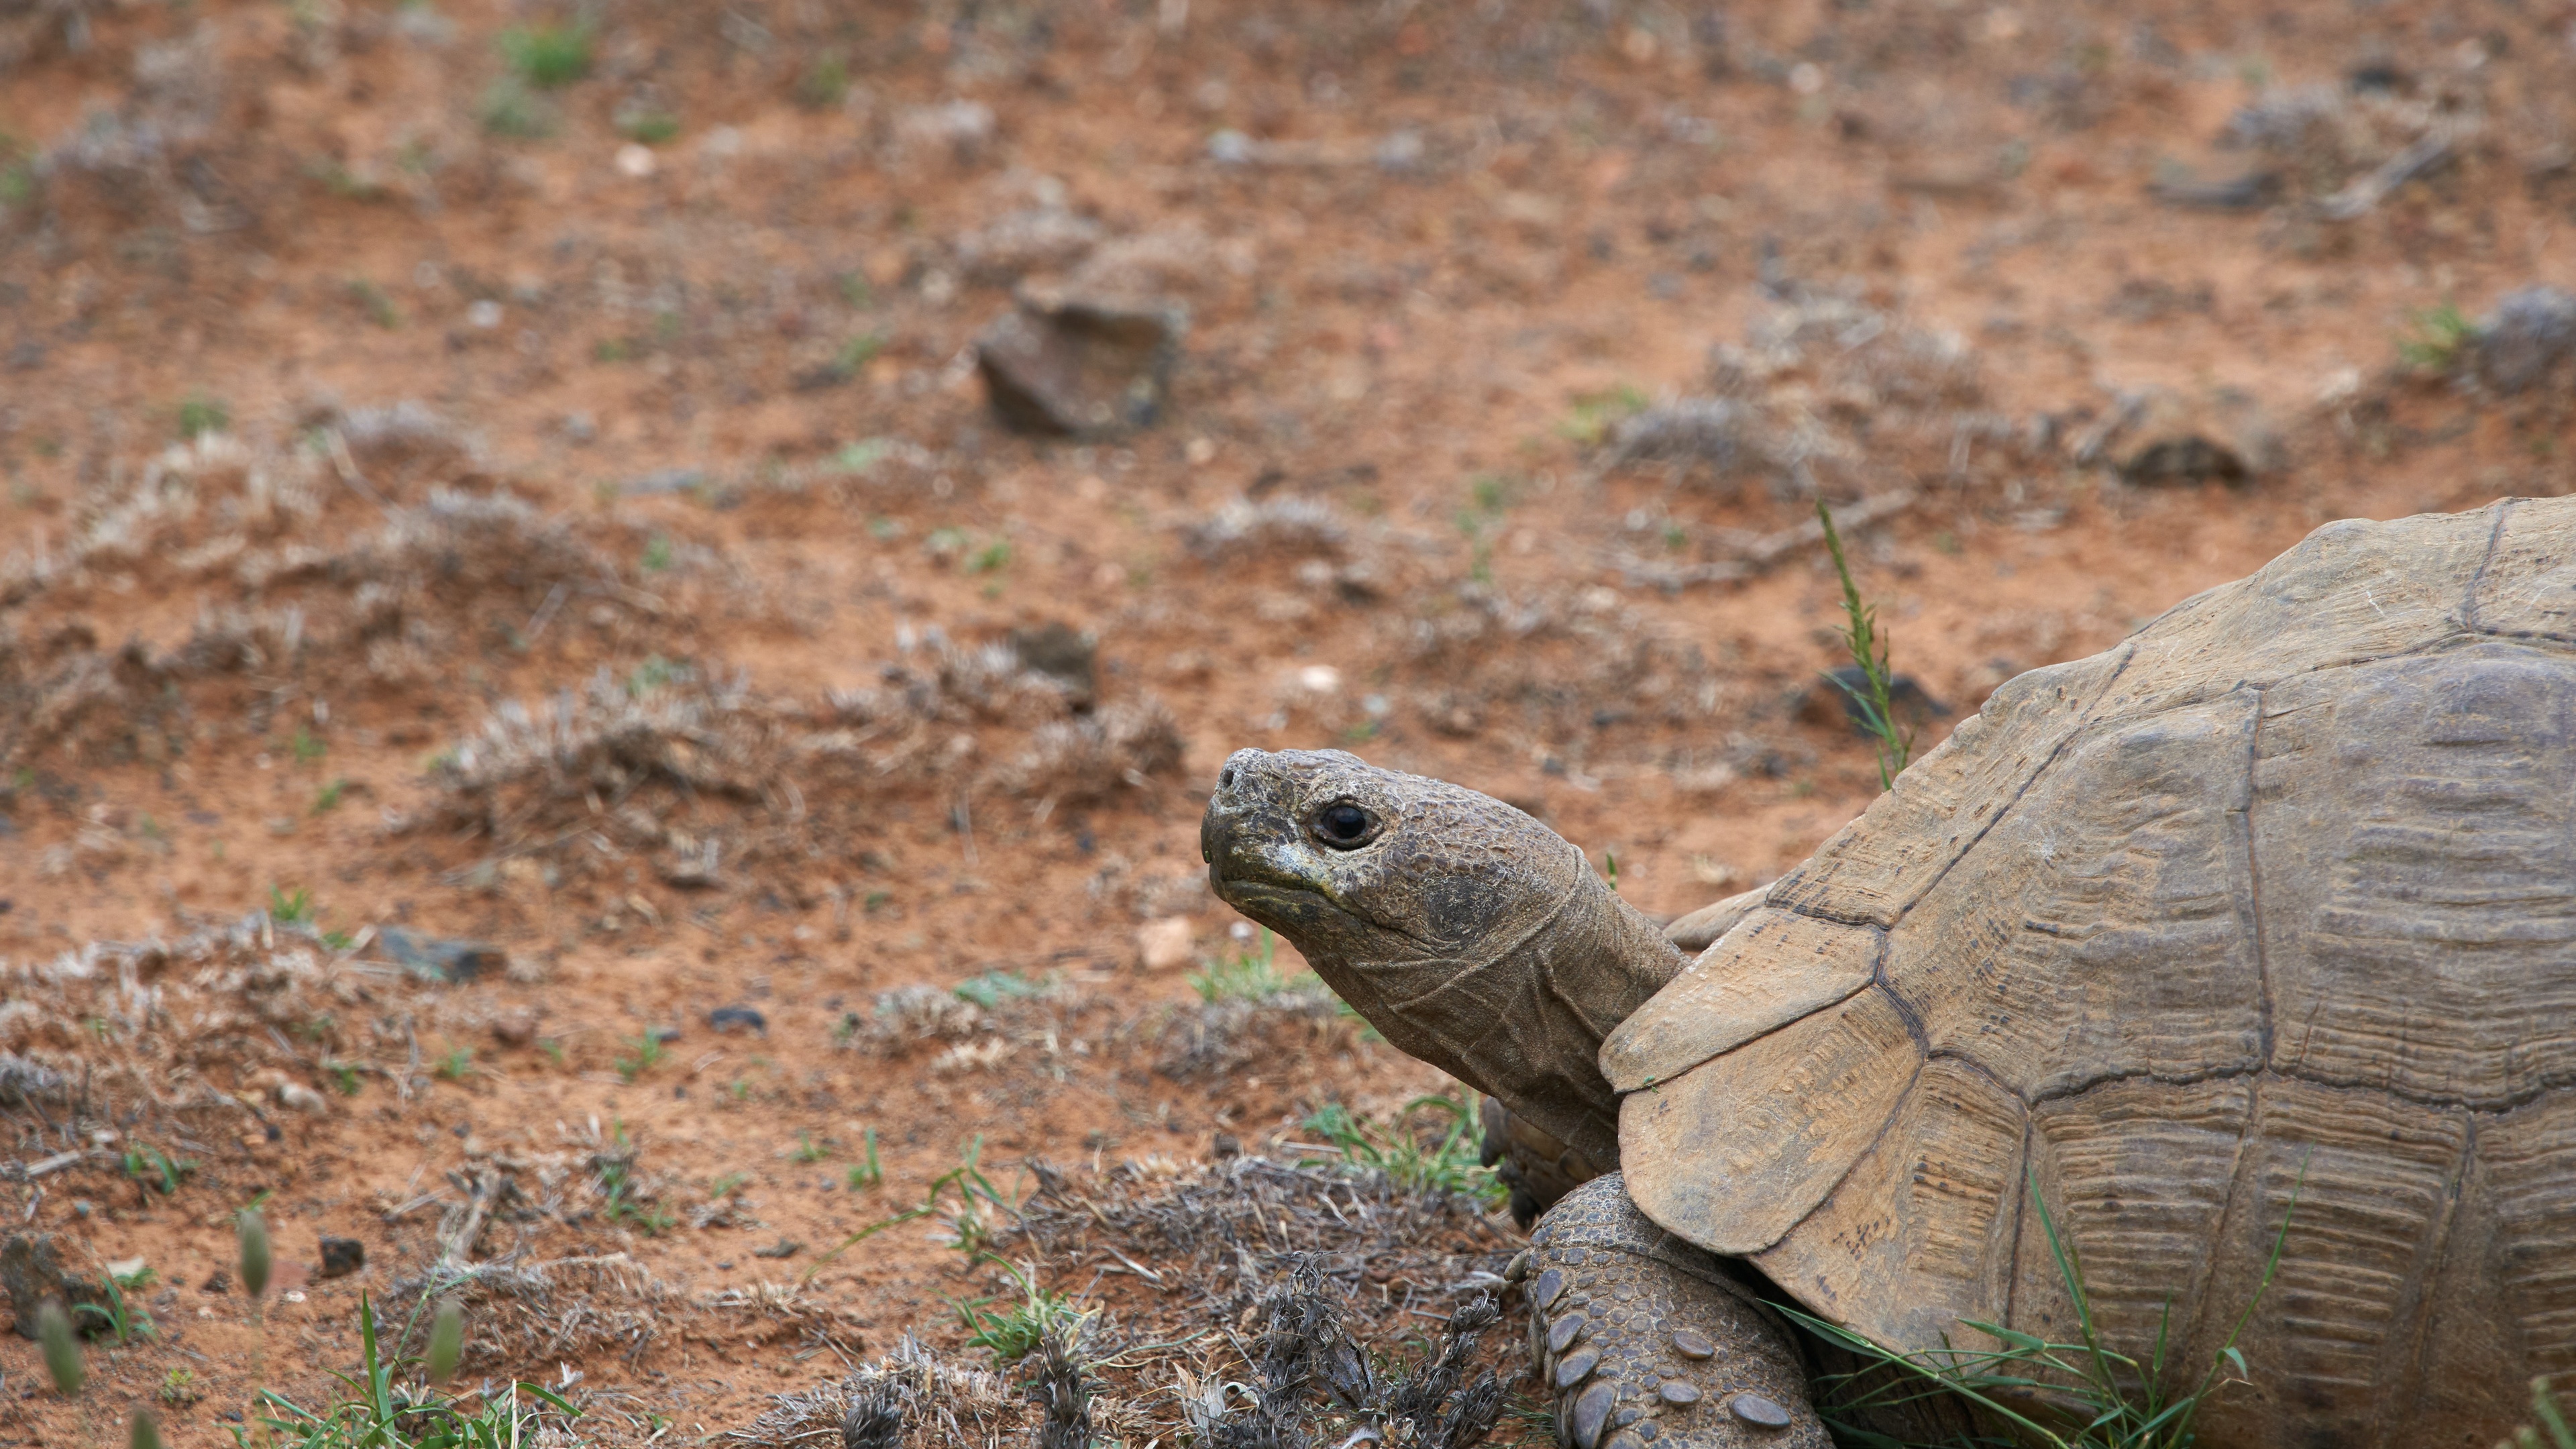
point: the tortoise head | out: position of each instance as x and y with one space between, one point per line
1468 933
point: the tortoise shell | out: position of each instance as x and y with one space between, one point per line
2273 902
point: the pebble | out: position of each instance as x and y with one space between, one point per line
738 1018
1087 366
439 958
342 1257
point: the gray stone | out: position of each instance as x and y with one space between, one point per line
342 1257
2531 332
31 1269
1080 366
436 958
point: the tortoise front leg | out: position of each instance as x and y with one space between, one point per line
1643 1340
1535 1166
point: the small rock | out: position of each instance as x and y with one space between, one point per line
1061 653
1084 366
31 1270
434 958
1162 945
218 1281
1226 1145
2529 334
738 1018
783 1248
342 1257
295 1096
2170 439
580 429
516 1029
695 870
1843 688
635 161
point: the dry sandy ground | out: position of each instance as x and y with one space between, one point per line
568 519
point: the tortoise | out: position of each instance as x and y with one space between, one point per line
2255 933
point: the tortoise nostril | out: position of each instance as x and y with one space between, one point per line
1225 778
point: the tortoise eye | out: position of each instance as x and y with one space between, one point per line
1345 826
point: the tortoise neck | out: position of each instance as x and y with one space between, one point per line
1524 1023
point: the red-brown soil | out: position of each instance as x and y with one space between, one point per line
1448 239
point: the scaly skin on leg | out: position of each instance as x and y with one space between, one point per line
1643 1339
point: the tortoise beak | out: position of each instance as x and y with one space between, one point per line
1248 839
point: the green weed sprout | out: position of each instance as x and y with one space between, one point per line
867 1171
1013 1333
377 1414
968 1232
1250 974
1449 1162
2441 337
548 56
1868 649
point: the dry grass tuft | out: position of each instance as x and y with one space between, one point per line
1270 1305
689 764
536 1312
914 1397
1712 438
1272 528
1093 757
668 725
1212 1039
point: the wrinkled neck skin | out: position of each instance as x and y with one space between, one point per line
1525 1023
1467 933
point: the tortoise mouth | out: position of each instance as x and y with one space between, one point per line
1247 884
